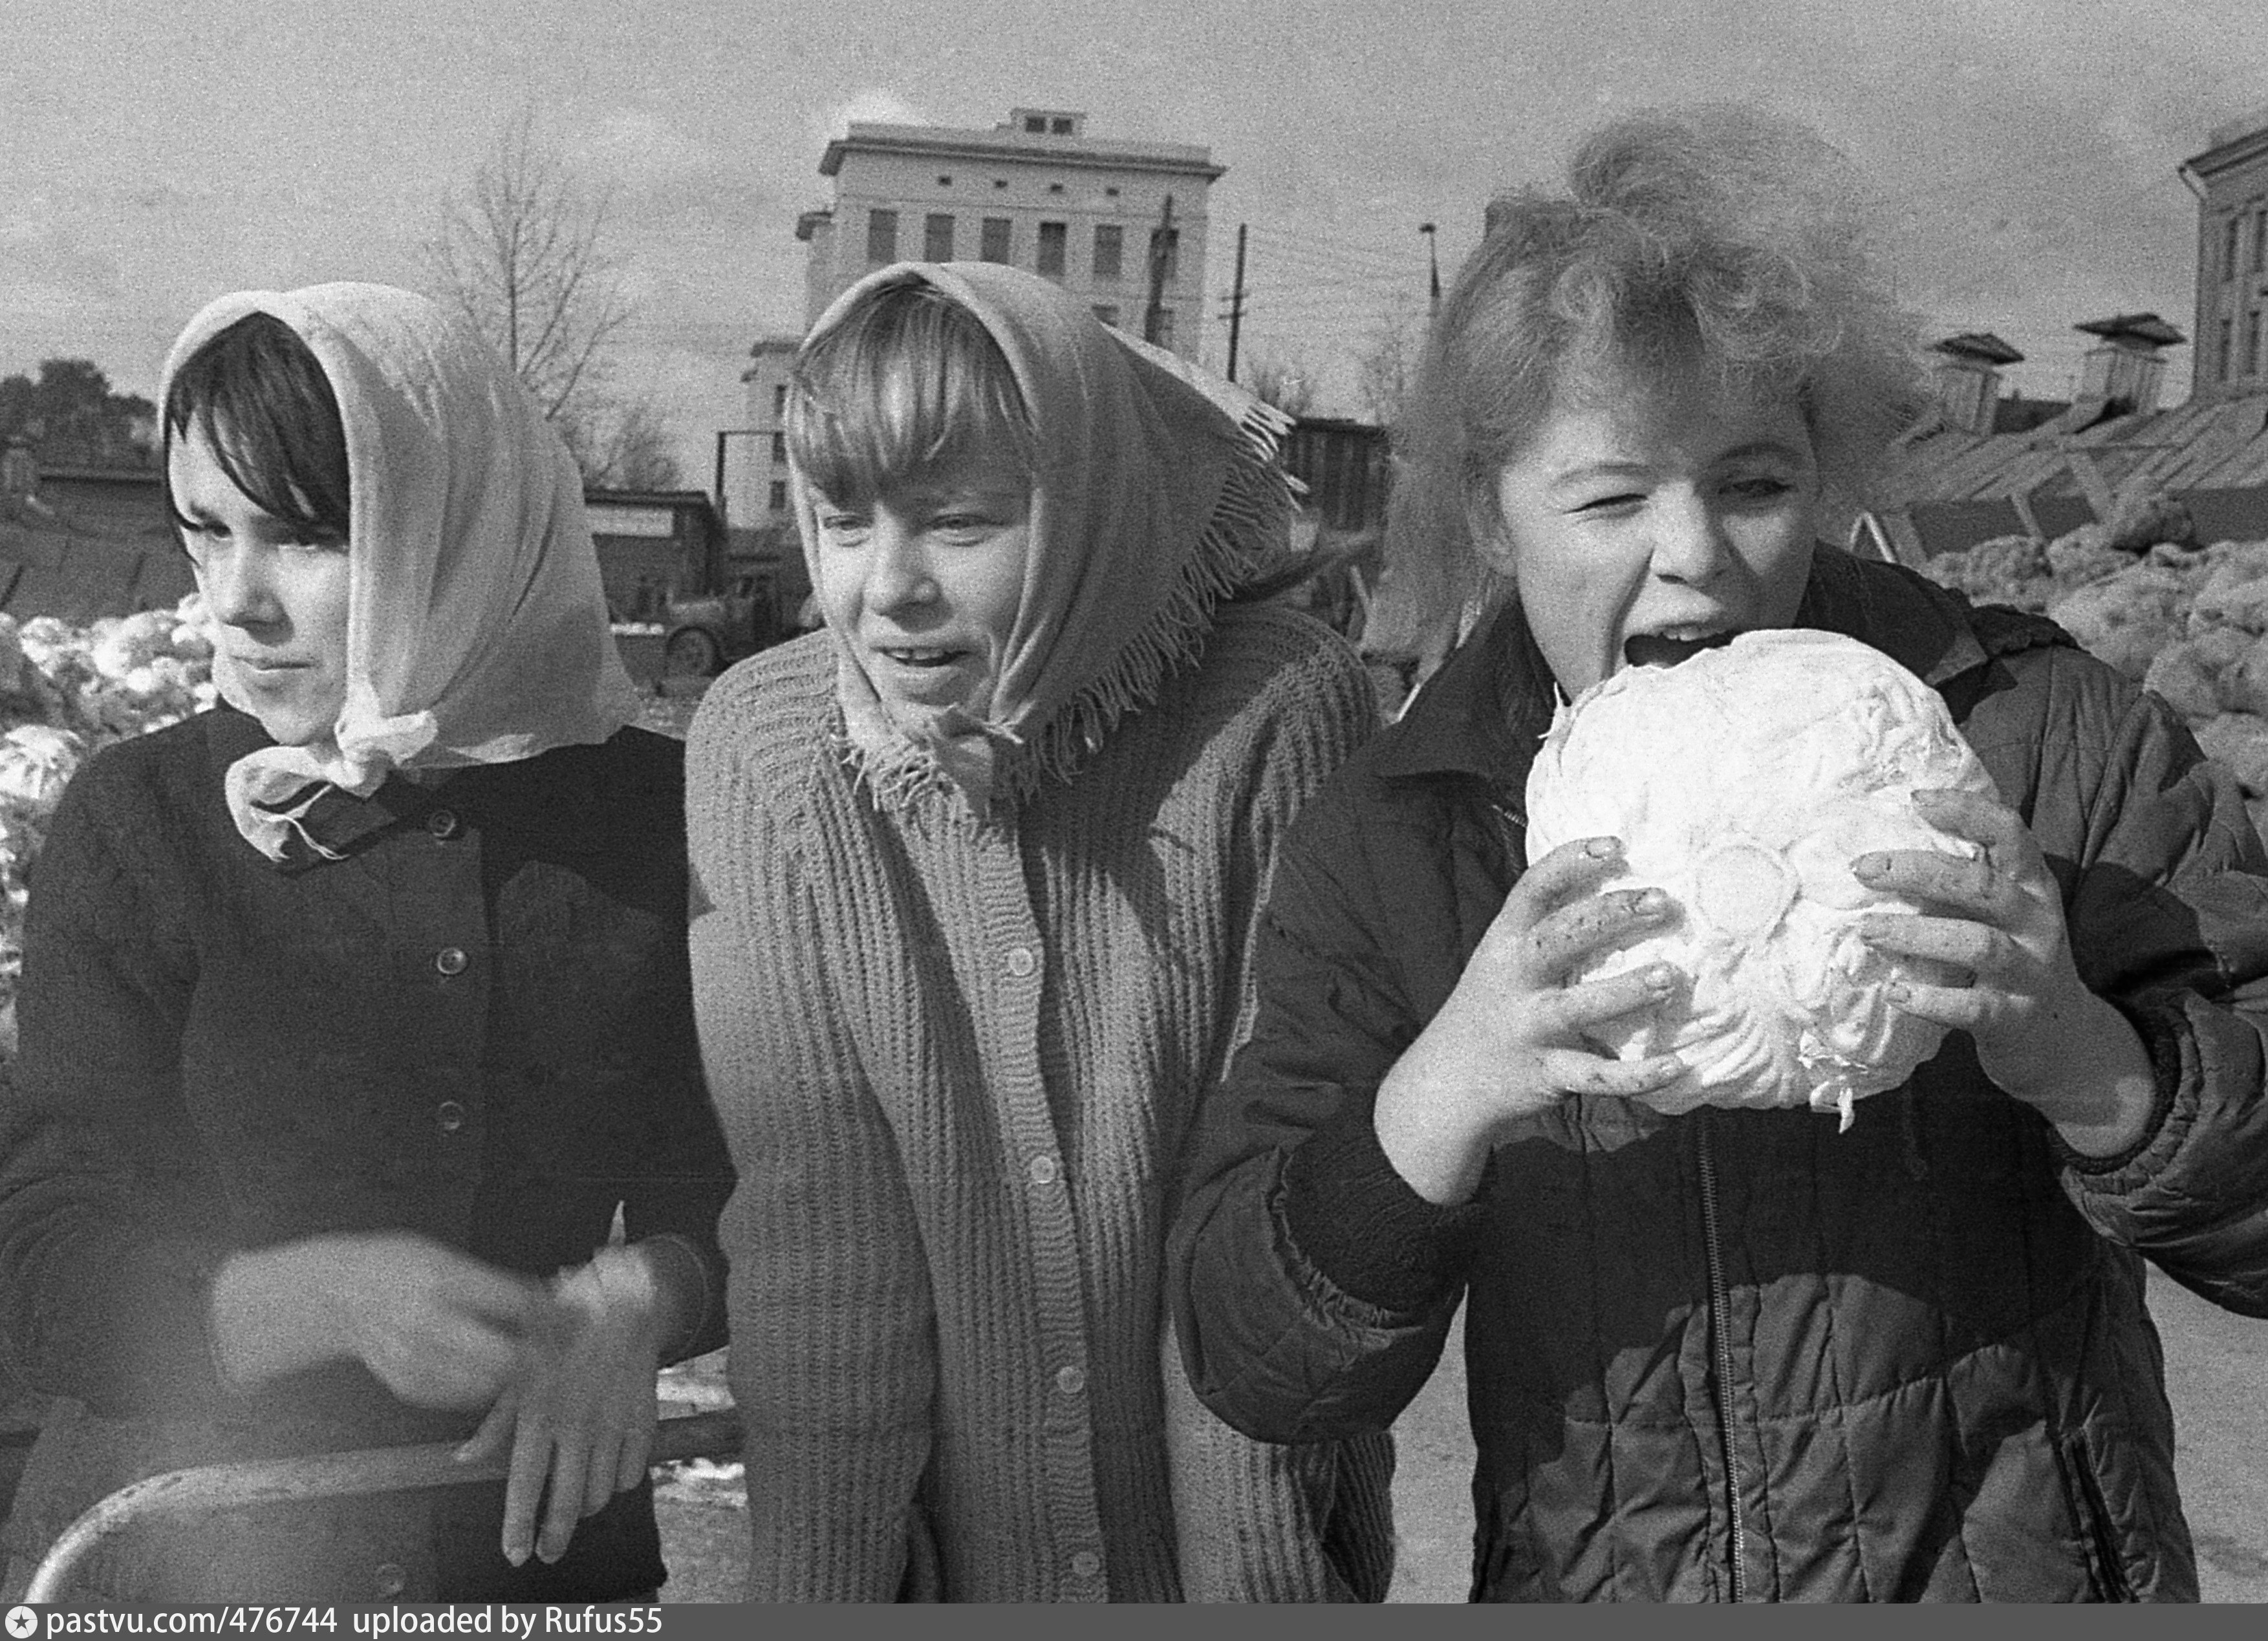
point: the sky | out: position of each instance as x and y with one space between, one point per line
154 155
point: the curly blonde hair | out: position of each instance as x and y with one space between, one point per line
1717 237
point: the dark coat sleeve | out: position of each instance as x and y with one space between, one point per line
110 1224
2167 915
1312 1288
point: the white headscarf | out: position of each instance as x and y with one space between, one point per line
477 625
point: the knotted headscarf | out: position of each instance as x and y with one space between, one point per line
477 625
1154 494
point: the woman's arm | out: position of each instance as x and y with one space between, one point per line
833 1356
2169 920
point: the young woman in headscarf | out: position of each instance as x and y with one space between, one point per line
976 870
356 1014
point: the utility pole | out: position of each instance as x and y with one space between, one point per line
1161 249
1236 303
1433 263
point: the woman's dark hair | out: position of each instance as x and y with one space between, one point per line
257 395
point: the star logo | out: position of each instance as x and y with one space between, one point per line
23 1623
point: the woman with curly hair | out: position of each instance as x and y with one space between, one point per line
1730 1353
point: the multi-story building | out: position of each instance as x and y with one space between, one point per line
1121 223
759 497
2231 179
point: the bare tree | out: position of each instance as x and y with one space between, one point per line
1388 363
523 252
625 445
1283 383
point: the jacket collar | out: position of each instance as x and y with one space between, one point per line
1487 709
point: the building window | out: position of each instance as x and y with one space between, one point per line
1110 250
2228 248
1052 240
780 495
2260 239
996 243
1108 313
780 448
1110 194
1000 182
2252 343
1055 187
937 237
944 182
2227 345
1159 330
779 401
1036 124
1166 253
1061 128
881 236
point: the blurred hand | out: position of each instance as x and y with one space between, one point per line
438 1328
1994 928
580 1421
1511 1040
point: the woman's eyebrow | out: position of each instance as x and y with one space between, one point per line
1778 447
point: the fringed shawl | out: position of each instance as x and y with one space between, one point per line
477 626
1155 495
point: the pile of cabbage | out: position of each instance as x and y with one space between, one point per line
65 692
1743 782
2187 621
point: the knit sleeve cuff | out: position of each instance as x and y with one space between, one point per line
2164 1032
1357 1221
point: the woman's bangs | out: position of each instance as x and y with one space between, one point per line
903 390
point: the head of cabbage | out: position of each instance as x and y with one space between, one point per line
1743 782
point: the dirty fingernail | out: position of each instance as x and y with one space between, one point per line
1599 848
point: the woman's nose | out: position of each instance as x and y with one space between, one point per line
1689 544
240 589
899 574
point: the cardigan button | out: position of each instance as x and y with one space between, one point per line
449 1116
450 960
1071 1380
389 1580
1021 962
1086 1564
1043 1170
442 823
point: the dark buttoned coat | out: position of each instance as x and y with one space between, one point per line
475 1025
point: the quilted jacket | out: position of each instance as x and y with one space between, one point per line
1737 1354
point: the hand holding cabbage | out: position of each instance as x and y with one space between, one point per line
1773 875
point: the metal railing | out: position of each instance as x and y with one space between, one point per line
319 1476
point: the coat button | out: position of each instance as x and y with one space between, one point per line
442 822
1086 1564
449 1116
389 1580
1071 1380
1021 962
1043 1170
450 960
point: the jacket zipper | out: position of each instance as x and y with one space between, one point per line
1719 1306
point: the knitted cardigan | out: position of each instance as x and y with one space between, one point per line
955 1061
